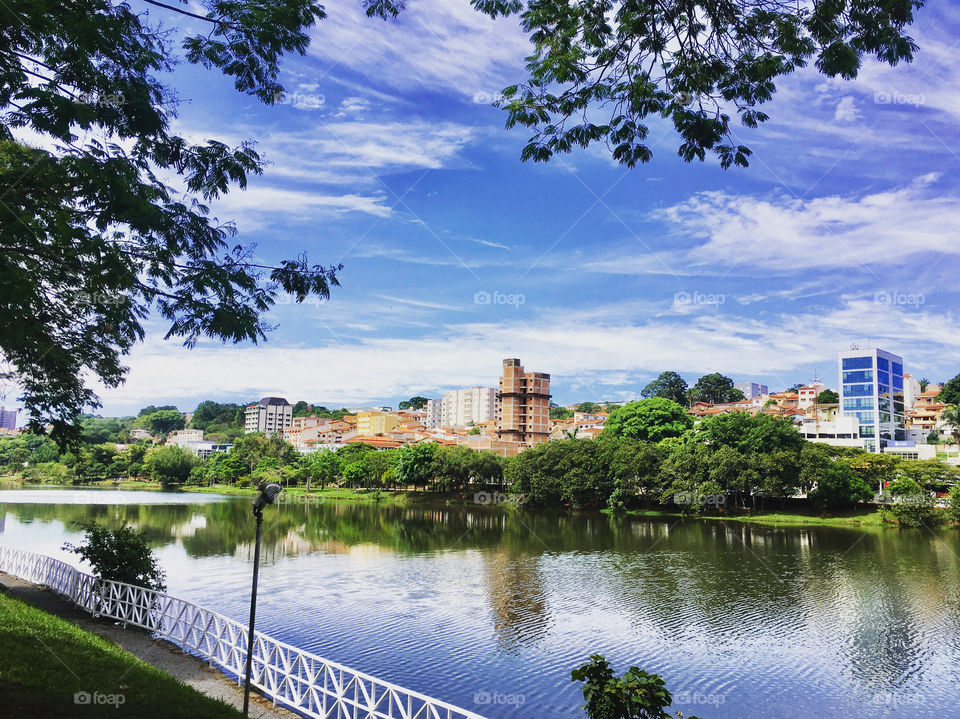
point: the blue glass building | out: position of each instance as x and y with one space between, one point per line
871 389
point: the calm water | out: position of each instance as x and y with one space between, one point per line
491 608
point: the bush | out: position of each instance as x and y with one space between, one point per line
120 555
912 505
635 695
953 505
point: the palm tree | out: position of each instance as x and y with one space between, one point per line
951 416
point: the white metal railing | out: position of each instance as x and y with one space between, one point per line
289 676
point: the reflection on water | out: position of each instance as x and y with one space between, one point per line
465 602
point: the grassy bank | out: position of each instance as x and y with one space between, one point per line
46 662
860 517
333 494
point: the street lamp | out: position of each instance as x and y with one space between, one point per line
268 495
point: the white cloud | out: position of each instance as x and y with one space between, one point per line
258 206
606 351
846 110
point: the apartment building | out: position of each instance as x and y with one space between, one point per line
807 395
871 389
181 437
434 410
752 389
468 407
370 424
523 414
8 418
270 415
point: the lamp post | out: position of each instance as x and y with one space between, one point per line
268 495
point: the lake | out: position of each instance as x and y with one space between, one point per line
491 608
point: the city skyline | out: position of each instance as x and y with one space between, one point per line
456 254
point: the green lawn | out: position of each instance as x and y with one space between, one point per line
861 517
329 493
45 661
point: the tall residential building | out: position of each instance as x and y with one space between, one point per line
270 416
434 410
370 424
8 418
463 407
751 389
524 411
807 395
871 389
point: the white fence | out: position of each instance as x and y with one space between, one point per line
289 676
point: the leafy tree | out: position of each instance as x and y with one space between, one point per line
302 409
695 65
668 385
832 484
650 419
588 407
635 695
417 402
924 383
751 434
953 503
950 392
560 413
120 555
251 448
828 396
415 464
104 233
951 417
164 421
150 409
208 414
226 467
913 506
170 464
97 430
323 466
715 388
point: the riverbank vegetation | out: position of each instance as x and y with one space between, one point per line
651 457
52 668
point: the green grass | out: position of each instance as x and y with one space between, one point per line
341 494
860 517
45 661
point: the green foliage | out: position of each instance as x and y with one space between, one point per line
150 409
950 392
913 506
170 465
828 396
650 419
219 422
415 464
97 430
324 467
953 503
715 388
164 421
561 472
560 413
588 407
302 409
112 205
951 417
417 402
119 555
635 695
668 385
831 484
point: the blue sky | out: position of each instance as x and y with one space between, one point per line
387 156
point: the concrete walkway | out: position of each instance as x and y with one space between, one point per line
162 654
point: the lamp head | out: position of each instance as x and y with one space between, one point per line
268 495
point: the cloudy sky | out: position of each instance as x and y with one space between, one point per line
387 156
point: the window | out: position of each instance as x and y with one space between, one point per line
858 363
866 431
897 369
883 377
883 364
858 376
858 403
857 390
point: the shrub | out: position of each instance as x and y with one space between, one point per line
120 555
635 695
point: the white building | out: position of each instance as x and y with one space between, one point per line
843 431
434 410
751 389
181 437
464 407
807 395
270 416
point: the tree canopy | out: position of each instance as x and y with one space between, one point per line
417 402
715 388
650 419
98 232
668 385
950 392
